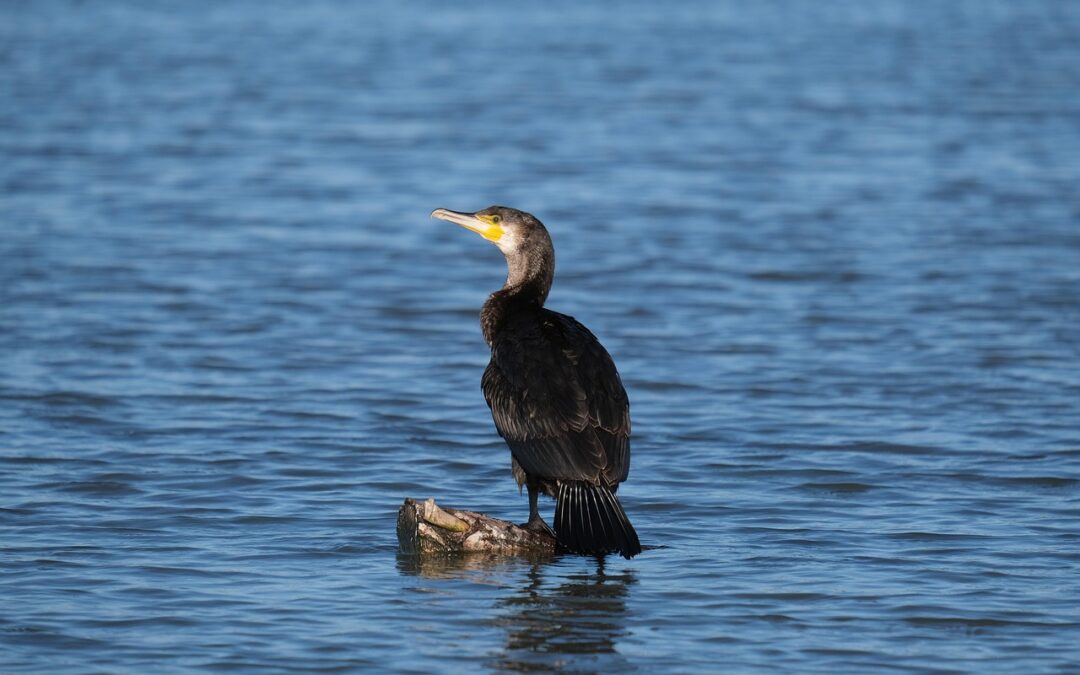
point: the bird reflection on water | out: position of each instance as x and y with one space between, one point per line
585 614
554 614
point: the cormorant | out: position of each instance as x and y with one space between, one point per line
554 392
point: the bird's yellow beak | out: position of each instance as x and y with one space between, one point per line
483 225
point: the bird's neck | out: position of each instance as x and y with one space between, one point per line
528 280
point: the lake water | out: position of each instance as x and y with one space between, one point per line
834 249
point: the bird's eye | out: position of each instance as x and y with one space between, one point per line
496 219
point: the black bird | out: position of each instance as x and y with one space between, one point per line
554 392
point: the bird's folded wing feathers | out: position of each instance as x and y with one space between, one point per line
556 398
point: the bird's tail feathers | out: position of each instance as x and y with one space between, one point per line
589 519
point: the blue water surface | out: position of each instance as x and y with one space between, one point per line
833 247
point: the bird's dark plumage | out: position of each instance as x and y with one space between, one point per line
554 392
557 400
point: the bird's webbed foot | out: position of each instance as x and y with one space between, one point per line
537 524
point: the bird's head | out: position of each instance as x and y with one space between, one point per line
511 230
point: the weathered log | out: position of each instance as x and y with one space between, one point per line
426 528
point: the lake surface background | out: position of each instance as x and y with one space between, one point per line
834 249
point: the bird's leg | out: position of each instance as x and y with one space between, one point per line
536 522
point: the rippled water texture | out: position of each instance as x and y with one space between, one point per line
833 247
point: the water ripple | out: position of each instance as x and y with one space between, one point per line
832 249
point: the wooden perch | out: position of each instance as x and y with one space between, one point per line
425 528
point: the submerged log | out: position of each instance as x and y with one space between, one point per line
426 528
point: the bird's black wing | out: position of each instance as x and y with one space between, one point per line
557 399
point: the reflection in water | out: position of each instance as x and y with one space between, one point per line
469 566
550 618
584 614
